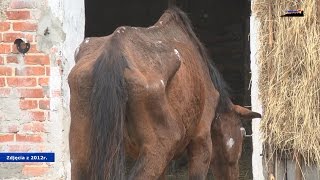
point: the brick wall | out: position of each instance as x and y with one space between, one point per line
24 90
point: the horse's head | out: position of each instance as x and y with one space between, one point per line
227 138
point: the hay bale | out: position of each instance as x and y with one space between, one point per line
289 60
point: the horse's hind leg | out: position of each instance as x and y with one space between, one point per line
79 145
78 152
158 133
157 150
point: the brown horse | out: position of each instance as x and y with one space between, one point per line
148 92
227 139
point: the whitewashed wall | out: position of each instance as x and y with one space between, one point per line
257 166
71 14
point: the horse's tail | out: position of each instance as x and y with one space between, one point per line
108 107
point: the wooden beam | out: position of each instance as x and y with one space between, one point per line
298 165
271 158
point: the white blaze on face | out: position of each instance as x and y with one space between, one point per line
177 53
230 143
243 131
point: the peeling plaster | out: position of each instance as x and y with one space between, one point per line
50 32
4 4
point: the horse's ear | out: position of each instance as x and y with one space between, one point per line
245 113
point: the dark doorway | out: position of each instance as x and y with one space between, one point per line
104 16
223 26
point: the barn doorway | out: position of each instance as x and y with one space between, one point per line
223 26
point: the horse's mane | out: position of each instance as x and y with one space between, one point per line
184 22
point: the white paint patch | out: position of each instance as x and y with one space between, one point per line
159 42
162 82
230 143
87 40
118 31
161 22
177 53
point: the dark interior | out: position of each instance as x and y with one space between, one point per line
223 27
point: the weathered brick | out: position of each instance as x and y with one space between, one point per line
5 48
37 116
18 15
34 171
34 127
4 26
43 81
31 93
24 26
1 60
5 71
47 71
21 82
12 59
2 82
6 137
29 138
9 127
37 60
12 36
44 104
31 71
22 4
28 104
13 128
5 92
19 148
33 49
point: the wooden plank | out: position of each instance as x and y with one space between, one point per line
298 166
270 162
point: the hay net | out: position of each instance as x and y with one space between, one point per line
289 61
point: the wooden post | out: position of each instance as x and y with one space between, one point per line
298 166
271 162
270 153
